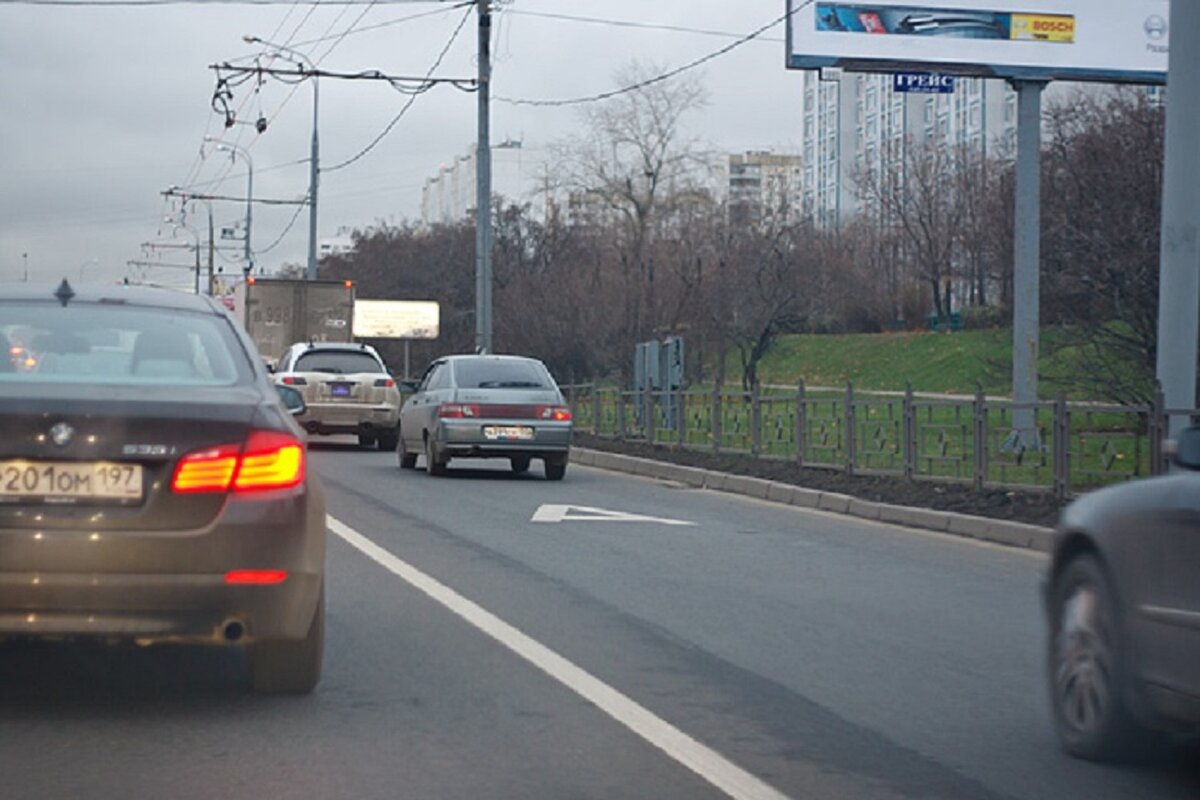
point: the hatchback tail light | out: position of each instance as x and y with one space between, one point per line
268 460
557 413
458 411
384 383
295 380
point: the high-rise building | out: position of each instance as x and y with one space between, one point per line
765 187
518 173
859 121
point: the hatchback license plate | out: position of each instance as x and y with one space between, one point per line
507 432
339 389
93 480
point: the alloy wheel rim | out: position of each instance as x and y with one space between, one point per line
1083 666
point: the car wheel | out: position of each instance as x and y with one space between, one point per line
520 464
388 439
1087 678
287 666
556 468
433 465
366 440
407 460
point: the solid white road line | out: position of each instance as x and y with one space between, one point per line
704 761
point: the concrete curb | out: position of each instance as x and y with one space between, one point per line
1013 534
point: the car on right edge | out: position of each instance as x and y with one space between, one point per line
486 406
1122 598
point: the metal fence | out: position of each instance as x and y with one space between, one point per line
916 436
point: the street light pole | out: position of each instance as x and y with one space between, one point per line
483 188
314 164
237 150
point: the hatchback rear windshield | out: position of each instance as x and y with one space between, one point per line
337 362
92 343
500 374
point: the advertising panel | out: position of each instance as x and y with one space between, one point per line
1098 40
396 319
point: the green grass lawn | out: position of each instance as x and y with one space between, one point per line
934 362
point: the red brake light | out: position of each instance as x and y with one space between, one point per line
556 413
294 380
269 460
457 410
384 383
256 576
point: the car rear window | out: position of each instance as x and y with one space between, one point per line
337 362
500 374
95 343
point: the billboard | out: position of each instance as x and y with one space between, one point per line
1120 41
396 319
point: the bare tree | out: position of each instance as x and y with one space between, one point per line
629 166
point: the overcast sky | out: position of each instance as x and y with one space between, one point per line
105 107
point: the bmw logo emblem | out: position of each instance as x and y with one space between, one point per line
62 434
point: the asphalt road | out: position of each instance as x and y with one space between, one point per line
484 641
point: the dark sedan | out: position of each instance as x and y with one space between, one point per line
1123 601
153 484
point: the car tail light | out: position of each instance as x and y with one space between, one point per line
384 383
557 413
260 577
268 460
458 411
294 380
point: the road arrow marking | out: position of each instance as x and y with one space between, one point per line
553 513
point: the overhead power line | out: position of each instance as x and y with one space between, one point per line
135 3
650 26
404 109
595 98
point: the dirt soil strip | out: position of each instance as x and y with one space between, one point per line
893 494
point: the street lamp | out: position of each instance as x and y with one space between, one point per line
314 159
188 228
236 150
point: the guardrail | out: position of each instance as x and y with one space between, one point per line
906 434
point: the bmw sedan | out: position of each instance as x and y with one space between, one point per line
1123 604
153 483
486 406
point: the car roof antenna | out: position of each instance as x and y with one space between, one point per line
64 292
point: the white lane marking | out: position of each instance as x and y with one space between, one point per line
553 513
704 761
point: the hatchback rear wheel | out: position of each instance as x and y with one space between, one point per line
388 439
520 464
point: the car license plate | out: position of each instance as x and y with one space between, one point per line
503 433
339 389
89 480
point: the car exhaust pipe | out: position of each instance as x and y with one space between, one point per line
233 630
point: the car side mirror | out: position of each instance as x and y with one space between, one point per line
408 387
292 399
1187 449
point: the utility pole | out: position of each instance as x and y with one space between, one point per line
314 172
483 187
212 249
1179 271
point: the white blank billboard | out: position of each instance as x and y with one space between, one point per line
1100 40
396 319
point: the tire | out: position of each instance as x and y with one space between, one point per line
520 464
366 440
556 468
1086 674
287 666
388 439
432 465
407 460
